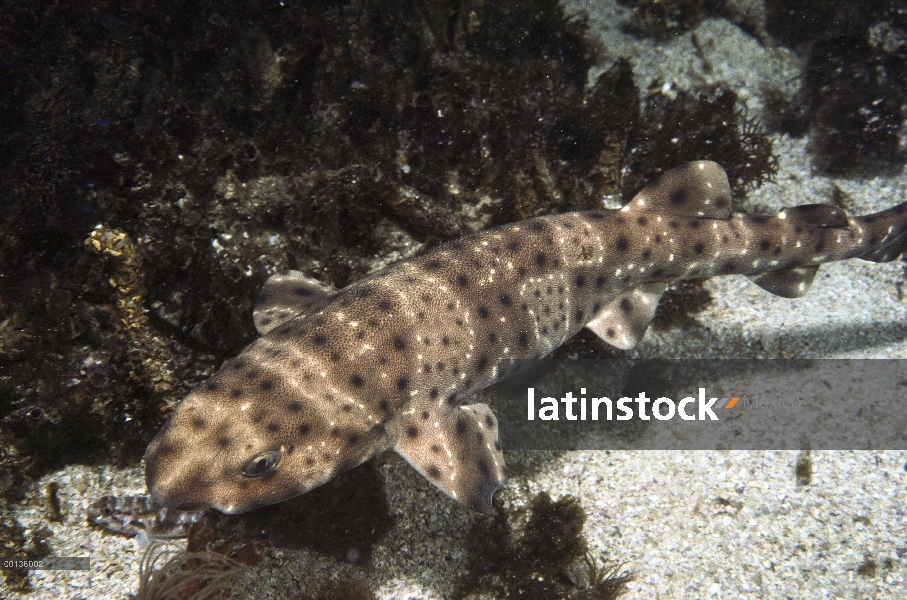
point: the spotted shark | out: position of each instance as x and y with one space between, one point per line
338 376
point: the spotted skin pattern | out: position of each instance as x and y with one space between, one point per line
339 376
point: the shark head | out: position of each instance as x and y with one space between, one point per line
249 437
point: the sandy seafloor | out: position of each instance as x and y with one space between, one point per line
655 511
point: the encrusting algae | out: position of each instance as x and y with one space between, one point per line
149 359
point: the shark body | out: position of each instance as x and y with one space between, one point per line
338 376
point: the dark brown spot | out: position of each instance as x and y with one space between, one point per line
524 340
622 244
673 224
482 363
699 248
273 427
412 431
436 448
383 406
764 245
347 408
658 239
235 393
441 365
294 406
462 281
199 423
399 344
433 472
540 259
694 223
433 393
353 439
626 305
483 468
505 300
642 221
609 332
482 312
578 317
678 196
492 337
452 400
489 421
319 339
580 281
461 427
266 385
536 225
646 254
402 383
304 429
433 265
600 281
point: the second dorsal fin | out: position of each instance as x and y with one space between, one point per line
286 295
696 189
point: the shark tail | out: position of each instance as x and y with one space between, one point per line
886 232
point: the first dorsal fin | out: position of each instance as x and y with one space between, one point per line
696 189
286 295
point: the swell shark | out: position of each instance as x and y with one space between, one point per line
339 376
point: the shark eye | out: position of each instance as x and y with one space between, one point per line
261 464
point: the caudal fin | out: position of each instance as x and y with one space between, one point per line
887 234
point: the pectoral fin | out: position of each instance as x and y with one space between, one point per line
623 322
457 450
286 295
